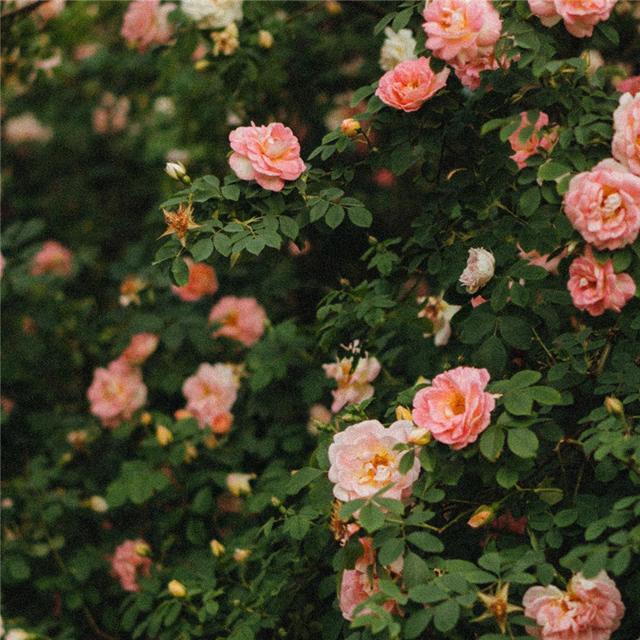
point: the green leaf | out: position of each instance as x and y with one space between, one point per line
426 541
552 170
525 378
231 192
222 244
360 216
406 462
446 615
301 479
545 395
371 518
516 332
335 216
523 442
391 550
491 355
427 593
492 442
529 201
360 94
518 402
318 210
289 227
201 249
180 271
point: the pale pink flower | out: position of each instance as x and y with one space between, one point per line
116 392
468 70
355 587
455 408
363 461
242 319
595 287
202 282
410 84
2 265
536 259
625 146
580 16
129 562
26 128
270 155
210 394
590 609
45 10
353 384
534 142
54 258
546 11
146 23
453 27
111 115
141 347
604 205
439 313
318 415
85 50
629 85
480 268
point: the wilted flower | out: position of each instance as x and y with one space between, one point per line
439 313
129 561
179 222
479 270
397 48
226 42
350 127
318 415
77 439
354 385
130 288
498 607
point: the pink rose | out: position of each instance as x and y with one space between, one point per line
353 384
129 561
536 259
145 23
468 70
25 128
595 287
580 16
116 392
202 282
363 461
604 205
2 264
453 27
629 85
211 393
534 143
590 609
455 408
242 319
141 347
355 588
410 84
270 155
53 258
625 147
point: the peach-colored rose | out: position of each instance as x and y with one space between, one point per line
579 16
468 70
116 392
54 258
129 562
355 587
536 259
455 408
590 609
534 142
353 384
145 23
453 27
629 85
141 347
595 287
410 84
363 461
202 282
604 205
210 395
546 11
270 155
242 319
25 128
625 146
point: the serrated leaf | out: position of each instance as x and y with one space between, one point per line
523 442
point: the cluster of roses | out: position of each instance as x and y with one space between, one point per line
454 410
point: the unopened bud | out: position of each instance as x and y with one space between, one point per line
240 555
350 127
98 504
146 418
276 502
177 589
482 516
163 435
333 7
201 65
190 452
614 406
265 39
217 548
175 170
402 413
143 549
420 436
238 483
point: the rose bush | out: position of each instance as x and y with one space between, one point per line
364 362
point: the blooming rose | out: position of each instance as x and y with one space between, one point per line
202 282
116 392
129 561
355 587
25 128
353 385
625 147
213 14
242 319
439 313
590 609
141 346
579 16
468 70
363 461
595 287
534 143
270 155
410 84
536 259
455 408
453 27
397 48
145 23
53 258
604 205
210 395
629 85
479 270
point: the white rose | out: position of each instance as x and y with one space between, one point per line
479 270
213 14
397 48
